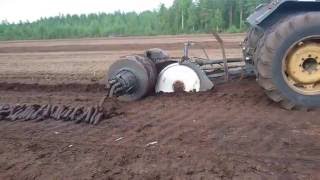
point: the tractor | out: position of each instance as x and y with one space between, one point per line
281 49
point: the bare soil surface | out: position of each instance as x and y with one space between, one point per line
87 60
231 132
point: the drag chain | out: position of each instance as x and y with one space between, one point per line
25 112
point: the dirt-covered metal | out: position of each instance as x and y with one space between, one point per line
131 78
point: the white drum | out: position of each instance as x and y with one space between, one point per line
178 77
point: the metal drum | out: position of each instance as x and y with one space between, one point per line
186 76
132 78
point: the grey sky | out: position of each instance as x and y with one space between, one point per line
15 10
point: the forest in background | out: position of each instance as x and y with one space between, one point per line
183 17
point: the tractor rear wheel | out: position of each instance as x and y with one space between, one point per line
287 61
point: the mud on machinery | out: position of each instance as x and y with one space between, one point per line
282 49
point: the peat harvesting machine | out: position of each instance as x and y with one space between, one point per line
281 49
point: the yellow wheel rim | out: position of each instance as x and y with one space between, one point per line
302 68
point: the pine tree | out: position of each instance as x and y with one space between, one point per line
184 16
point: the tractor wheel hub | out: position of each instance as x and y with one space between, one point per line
302 67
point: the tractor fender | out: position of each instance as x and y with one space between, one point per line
266 15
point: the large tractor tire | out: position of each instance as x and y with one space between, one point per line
287 61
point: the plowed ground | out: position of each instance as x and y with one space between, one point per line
231 132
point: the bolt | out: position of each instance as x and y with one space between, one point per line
310 56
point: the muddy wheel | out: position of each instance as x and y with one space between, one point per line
288 61
252 38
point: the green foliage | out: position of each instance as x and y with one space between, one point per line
184 16
233 29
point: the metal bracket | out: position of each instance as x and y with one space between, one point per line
223 51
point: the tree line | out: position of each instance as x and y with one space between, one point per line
184 16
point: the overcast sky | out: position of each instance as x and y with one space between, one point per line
15 10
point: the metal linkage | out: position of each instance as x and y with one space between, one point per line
224 56
24 112
188 45
123 83
202 62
